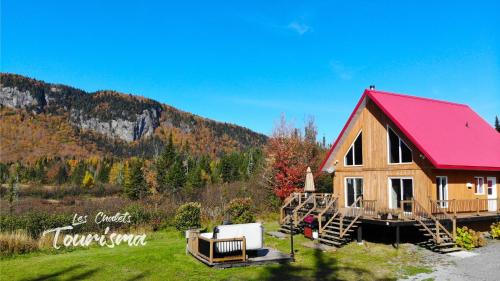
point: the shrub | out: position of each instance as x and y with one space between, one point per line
17 242
138 215
495 230
188 216
240 210
34 223
468 238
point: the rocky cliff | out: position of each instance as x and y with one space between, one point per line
119 116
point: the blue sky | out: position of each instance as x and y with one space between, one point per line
246 63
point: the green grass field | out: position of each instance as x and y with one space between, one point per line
164 258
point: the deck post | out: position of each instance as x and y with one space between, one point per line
455 208
244 249
477 206
211 258
360 234
397 236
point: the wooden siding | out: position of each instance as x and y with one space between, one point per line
376 170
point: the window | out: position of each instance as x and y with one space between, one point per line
354 156
398 152
442 191
479 185
400 189
353 190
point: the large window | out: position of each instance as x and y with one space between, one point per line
400 189
479 185
353 190
399 152
354 156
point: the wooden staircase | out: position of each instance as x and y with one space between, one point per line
440 229
298 206
339 224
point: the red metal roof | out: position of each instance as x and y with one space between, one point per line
450 135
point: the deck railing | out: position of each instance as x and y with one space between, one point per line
354 212
370 207
218 250
455 206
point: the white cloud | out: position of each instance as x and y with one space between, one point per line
300 28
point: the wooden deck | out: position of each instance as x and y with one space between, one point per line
263 256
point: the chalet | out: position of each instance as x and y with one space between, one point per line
430 164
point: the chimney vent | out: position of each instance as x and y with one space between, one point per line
372 87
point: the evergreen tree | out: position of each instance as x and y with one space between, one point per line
135 186
78 173
62 174
176 177
103 172
194 179
497 124
4 173
164 163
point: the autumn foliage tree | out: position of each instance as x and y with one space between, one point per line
289 154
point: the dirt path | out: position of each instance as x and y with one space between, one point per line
482 264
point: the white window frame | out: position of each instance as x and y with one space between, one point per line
389 187
353 152
475 186
399 147
443 204
345 189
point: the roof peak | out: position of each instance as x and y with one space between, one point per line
414 97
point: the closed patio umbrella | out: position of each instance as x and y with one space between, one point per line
309 184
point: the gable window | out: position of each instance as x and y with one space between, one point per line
398 152
479 185
354 156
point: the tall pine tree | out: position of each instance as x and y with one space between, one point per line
164 163
135 186
497 124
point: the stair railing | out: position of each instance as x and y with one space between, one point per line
443 215
421 214
300 206
288 201
331 207
352 211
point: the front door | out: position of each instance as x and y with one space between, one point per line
400 189
492 193
442 191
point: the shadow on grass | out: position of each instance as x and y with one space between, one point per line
58 273
325 268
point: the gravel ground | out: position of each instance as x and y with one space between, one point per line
482 264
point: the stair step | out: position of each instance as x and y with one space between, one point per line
331 237
335 228
330 232
445 244
449 250
329 242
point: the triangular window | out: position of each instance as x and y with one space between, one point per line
354 156
399 152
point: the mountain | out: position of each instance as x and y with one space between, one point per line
43 119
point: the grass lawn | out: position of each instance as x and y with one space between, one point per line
164 258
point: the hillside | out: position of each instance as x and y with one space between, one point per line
44 119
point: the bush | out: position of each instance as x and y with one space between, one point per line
18 242
495 230
240 210
468 238
34 224
188 216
